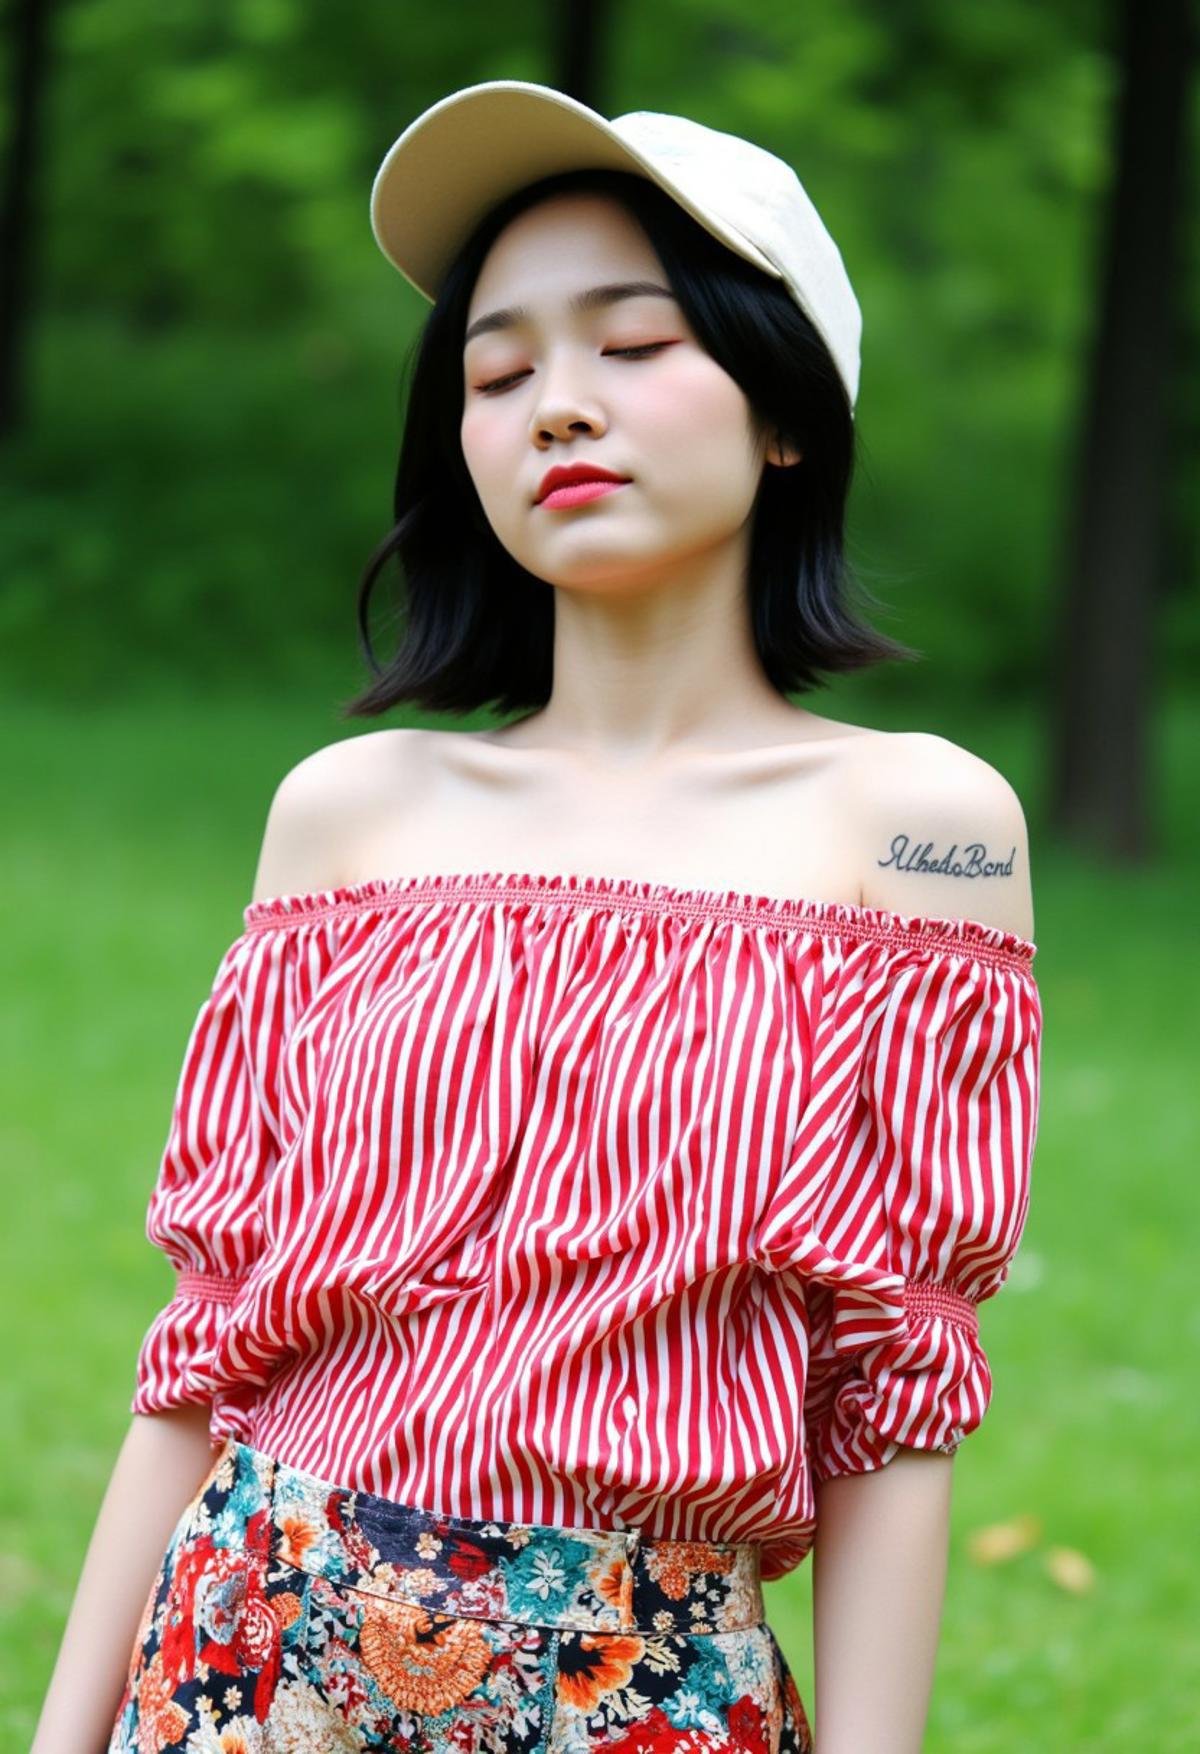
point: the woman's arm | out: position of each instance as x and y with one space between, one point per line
161 1465
882 1536
879 1575
166 1454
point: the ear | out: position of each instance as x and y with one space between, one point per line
784 455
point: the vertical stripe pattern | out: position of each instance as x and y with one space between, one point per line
595 1201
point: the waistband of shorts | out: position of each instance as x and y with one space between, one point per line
538 1574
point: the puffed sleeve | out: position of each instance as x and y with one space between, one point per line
204 1208
906 1196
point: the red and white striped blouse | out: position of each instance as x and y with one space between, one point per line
594 1200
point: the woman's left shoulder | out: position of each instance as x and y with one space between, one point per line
941 831
930 767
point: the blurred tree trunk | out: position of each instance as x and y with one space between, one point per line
580 36
1102 672
29 23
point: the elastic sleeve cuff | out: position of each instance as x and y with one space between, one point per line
173 1361
926 1385
208 1287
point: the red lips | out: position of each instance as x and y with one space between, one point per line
561 476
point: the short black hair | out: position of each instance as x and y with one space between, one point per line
477 628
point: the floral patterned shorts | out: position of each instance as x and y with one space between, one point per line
293 1616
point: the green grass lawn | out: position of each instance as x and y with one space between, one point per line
132 841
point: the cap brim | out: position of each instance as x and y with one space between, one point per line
469 150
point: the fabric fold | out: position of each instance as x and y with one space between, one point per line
904 1203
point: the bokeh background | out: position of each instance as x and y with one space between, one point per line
200 407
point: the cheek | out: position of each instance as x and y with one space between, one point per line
695 403
483 445
696 422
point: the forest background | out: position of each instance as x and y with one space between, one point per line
200 407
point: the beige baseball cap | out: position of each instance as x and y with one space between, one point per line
470 149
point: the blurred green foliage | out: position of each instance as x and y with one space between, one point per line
217 341
214 358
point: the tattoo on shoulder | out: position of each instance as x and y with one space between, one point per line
971 861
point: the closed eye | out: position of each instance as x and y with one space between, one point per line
642 352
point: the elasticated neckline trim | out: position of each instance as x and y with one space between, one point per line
645 896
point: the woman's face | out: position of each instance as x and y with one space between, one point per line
555 385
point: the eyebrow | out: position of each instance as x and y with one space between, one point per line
592 298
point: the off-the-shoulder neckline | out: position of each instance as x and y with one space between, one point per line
644 895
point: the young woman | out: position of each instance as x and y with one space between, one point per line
588 1164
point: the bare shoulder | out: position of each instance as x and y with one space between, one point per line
943 832
322 807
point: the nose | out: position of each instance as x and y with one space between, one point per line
564 408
